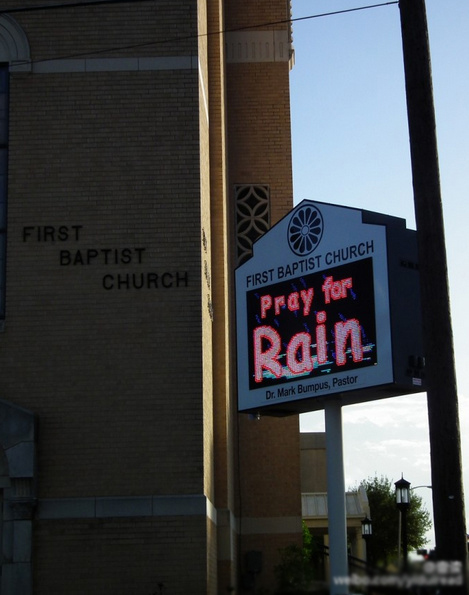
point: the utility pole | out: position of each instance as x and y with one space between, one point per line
443 415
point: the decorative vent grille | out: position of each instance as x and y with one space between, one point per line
252 217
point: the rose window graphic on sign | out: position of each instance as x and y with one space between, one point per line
305 230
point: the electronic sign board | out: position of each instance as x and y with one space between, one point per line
328 305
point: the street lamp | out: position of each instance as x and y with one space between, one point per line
367 528
367 531
403 503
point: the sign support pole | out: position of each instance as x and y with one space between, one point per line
338 559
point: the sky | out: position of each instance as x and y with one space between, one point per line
351 148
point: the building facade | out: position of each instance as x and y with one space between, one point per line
144 146
314 504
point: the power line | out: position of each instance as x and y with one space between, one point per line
107 2
328 14
181 38
314 16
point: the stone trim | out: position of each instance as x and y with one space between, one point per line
155 506
80 65
142 506
14 49
258 46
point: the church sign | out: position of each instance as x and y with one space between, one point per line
328 305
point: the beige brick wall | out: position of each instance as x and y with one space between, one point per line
107 312
260 152
259 149
221 265
271 546
126 177
263 13
259 130
120 556
108 371
166 27
269 467
206 251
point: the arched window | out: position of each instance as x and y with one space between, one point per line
14 45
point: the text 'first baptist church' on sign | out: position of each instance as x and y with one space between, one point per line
328 305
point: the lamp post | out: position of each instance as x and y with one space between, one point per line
403 503
367 531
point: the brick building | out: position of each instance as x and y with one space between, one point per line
142 150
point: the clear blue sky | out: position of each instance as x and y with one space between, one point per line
350 147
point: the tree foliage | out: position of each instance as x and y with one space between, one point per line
383 545
295 572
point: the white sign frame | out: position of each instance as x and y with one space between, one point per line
313 238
